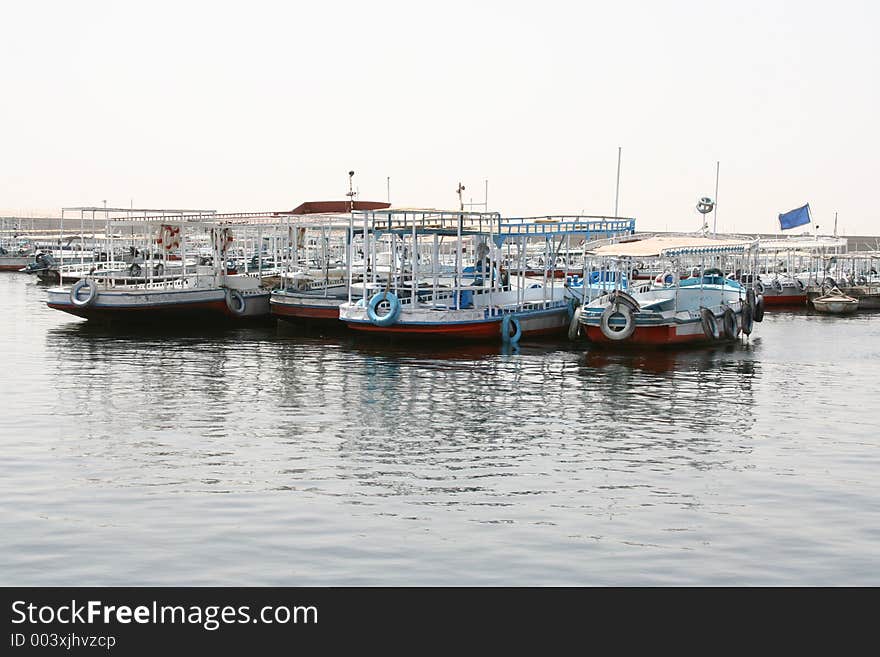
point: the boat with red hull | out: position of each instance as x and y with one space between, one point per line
704 308
461 276
477 325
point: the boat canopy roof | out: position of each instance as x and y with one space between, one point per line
333 207
852 255
673 245
803 244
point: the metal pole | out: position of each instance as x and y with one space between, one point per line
388 188
617 186
715 211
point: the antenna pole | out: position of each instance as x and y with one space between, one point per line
617 186
350 194
715 213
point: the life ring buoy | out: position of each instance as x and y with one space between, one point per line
506 336
634 274
90 297
759 287
134 270
728 321
665 278
759 309
574 324
748 319
710 324
629 322
393 311
235 301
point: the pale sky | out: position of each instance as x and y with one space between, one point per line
261 106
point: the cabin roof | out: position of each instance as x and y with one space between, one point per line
672 245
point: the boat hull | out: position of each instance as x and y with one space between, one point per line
835 307
306 309
161 306
785 299
658 335
13 263
542 323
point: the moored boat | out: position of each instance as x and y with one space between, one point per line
704 308
460 289
835 303
14 258
192 292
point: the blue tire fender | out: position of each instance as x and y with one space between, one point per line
393 313
510 322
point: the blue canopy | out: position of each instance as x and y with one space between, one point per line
794 218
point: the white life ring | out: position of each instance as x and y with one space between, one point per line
664 279
629 325
90 297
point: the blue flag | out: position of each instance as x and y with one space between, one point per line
794 218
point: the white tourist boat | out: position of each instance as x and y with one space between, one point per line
473 297
705 307
199 292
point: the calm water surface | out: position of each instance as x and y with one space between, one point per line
266 456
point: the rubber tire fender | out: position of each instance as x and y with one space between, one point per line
574 324
235 302
393 313
728 322
628 328
759 309
748 319
79 285
506 336
710 324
